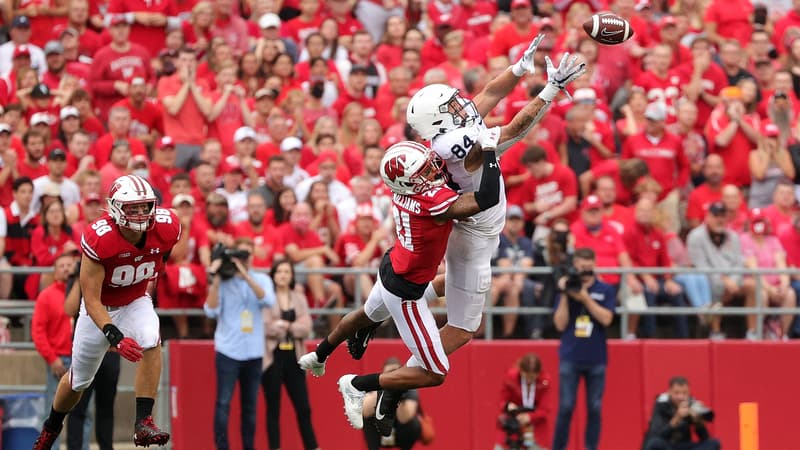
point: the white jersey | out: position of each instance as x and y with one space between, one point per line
453 147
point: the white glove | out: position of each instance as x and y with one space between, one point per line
489 137
558 78
525 63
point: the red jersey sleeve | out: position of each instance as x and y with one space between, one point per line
92 243
168 228
437 201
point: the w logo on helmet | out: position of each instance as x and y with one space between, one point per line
395 167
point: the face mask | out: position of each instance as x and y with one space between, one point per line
144 173
593 228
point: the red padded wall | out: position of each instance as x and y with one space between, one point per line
465 408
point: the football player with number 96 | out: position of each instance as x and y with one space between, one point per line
123 251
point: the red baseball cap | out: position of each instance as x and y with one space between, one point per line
92 197
364 210
520 4
591 202
166 142
232 166
769 129
21 50
118 19
328 155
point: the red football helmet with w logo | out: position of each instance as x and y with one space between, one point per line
410 168
132 203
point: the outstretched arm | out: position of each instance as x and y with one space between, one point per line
500 87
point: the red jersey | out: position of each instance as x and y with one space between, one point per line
606 243
149 37
647 247
664 90
732 18
507 41
51 327
144 120
552 189
109 66
699 199
421 240
348 246
129 268
665 159
610 168
298 29
736 154
267 239
712 80
101 150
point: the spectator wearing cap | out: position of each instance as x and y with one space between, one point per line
763 250
88 40
220 228
147 121
512 39
355 91
262 108
659 82
186 103
162 168
20 34
362 245
148 21
244 155
647 246
515 250
268 245
117 164
670 34
230 26
306 23
707 193
56 64
41 102
56 167
31 166
9 170
119 126
89 183
665 159
232 181
270 26
184 283
291 148
593 231
549 193
69 124
229 111
728 19
701 79
116 64
731 132
713 245
770 162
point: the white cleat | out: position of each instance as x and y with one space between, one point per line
308 362
353 401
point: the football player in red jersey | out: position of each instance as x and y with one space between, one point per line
423 208
123 251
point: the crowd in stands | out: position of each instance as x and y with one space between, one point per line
268 119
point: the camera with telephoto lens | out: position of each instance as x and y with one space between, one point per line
574 282
227 268
702 411
515 437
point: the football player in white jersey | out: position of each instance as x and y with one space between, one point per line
452 125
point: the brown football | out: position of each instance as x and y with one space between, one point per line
608 28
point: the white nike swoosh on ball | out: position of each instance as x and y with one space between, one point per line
605 32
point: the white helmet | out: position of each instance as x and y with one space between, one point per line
131 190
409 168
437 109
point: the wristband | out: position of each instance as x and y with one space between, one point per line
517 69
113 334
549 92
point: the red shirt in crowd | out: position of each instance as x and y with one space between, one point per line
511 392
189 125
606 243
665 90
777 219
267 240
298 29
790 240
512 165
610 168
51 327
665 159
509 42
713 80
551 190
647 246
349 245
732 18
620 217
288 235
32 171
144 120
101 150
699 199
109 66
736 155
151 38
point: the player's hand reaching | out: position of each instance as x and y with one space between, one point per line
559 77
488 138
125 346
525 63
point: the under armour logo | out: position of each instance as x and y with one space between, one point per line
492 165
155 251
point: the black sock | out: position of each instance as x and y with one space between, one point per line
367 383
324 349
144 407
55 421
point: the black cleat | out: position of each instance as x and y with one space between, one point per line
386 409
46 439
357 343
147 433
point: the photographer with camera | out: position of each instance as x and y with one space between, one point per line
585 308
675 415
525 406
236 297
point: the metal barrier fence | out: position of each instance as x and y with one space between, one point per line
24 308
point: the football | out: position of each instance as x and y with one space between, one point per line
608 28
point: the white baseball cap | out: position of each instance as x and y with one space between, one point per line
291 143
269 20
244 133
